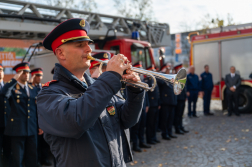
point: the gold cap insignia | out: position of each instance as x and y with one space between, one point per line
82 23
111 110
26 65
105 55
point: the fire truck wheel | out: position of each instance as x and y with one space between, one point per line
245 100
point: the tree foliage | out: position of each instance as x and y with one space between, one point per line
138 9
85 5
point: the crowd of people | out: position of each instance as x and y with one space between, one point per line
85 120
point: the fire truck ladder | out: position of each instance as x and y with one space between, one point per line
26 20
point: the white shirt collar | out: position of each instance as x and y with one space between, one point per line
26 88
22 85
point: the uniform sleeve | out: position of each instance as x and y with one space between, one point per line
6 90
64 116
130 110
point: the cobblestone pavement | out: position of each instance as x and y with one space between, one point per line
213 141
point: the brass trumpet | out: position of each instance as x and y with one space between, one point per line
178 80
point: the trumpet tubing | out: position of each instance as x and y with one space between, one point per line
177 80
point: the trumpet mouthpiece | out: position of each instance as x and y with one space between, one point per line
89 57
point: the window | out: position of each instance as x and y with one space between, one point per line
116 49
138 54
148 58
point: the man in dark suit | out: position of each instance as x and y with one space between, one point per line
233 82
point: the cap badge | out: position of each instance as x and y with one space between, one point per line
26 65
82 23
105 55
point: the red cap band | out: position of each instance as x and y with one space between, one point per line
95 63
23 68
37 72
68 36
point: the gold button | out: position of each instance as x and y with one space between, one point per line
165 95
28 111
4 101
152 97
17 96
28 99
28 117
4 112
28 105
12 119
5 107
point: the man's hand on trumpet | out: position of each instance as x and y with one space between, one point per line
117 64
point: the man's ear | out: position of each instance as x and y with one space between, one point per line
59 53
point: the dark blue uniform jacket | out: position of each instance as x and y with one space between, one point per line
192 82
154 98
76 120
22 116
206 81
167 96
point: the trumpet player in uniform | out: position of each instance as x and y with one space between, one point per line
83 121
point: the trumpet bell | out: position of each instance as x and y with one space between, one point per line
179 82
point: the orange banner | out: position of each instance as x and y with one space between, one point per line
8 59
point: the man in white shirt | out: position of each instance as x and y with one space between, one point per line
233 82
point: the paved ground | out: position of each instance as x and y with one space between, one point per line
217 141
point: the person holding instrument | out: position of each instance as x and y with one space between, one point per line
83 121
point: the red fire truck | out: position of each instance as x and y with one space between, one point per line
221 51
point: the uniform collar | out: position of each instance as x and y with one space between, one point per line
62 74
22 85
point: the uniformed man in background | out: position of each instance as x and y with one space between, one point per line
21 123
94 65
2 117
193 89
43 147
207 88
137 131
5 141
153 112
180 107
168 104
83 122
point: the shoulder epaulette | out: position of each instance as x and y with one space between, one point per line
30 86
48 83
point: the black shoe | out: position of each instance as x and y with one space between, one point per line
211 114
237 115
189 116
157 141
173 136
195 116
229 115
166 137
46 163
159 130
144 145
137 149
178 131
151 142
39 164
183 130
